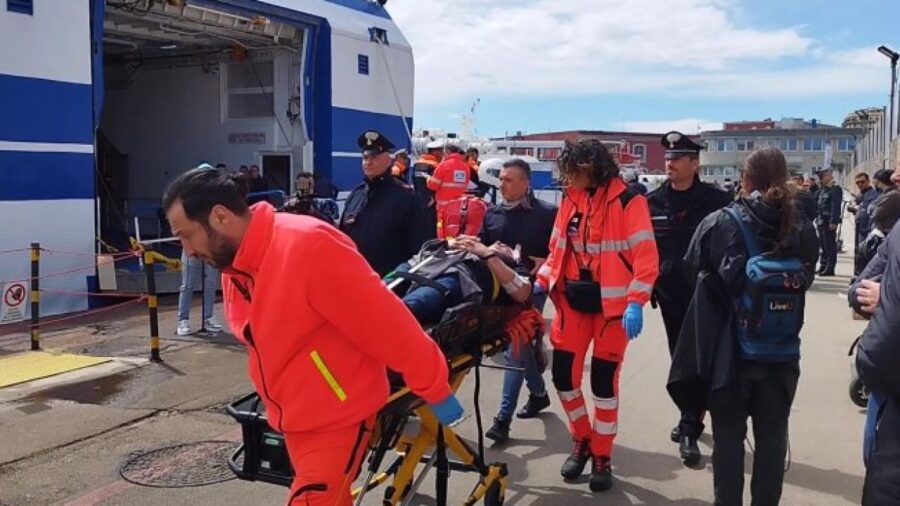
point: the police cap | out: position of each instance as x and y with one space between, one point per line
822 170
374 142
677 145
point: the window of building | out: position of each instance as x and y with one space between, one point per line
745 145
788 144
548 153
639 151
362 64
249 89
814 144
846 144
725 145
521 151
20 6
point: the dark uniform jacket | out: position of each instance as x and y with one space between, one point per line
876 361
704 358
806 204
384 219
864 203
673 231
529 227
829 205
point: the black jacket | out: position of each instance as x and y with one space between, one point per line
876 361
806 204
529 227
829 205
384 219
717 256
673 231
864 202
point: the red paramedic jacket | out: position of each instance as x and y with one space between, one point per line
320 326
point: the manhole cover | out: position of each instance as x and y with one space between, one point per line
186 465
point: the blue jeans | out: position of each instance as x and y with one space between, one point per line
527 372
190 270
428 304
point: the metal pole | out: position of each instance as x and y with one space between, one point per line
893 85
202 296
152 303
35 296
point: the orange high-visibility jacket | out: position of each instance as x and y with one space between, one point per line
450 179
429 160
398 169
320 326
619 249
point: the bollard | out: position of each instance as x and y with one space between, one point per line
35 296
152 304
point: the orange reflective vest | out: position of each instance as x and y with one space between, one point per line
319 336
399 169
430 161
614 240
450 179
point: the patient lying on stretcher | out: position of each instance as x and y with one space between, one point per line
447 273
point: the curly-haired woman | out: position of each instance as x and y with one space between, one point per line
600 272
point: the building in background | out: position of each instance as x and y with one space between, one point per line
640 148
877 149
807 146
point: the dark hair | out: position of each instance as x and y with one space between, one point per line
472 151
862 175
221 166
884 176
519 164
254 165
453 148
199 190
591 152
766 169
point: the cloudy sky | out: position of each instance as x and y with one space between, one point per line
644 65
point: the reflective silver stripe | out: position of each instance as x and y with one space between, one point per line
612 292
605 403
640 286
569 395
593 248
576 413
578 246
544 270
614 245
643 235
455 185
605 428
561 243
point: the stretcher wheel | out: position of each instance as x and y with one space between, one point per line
493 495
859 394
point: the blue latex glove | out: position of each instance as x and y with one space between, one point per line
448 410
633 320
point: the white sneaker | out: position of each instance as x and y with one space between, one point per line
184 328
213 325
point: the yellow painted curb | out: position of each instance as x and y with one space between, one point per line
33 365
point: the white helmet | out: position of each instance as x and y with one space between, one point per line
489 171
435 145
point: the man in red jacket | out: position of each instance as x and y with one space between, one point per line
319 325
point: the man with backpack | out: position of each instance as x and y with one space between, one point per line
739 350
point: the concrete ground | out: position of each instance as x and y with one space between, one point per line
64 439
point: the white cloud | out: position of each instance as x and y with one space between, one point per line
684 125
469 48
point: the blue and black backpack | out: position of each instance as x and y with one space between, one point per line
770 307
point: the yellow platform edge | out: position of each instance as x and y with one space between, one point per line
35 365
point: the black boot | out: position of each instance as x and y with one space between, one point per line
534 406
499 432
690 452
601 474
575 462
675 435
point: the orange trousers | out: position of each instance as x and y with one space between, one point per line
326 463
572 334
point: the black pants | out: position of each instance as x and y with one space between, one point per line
828 247
674 309
763 392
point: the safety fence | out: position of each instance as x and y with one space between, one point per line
31 291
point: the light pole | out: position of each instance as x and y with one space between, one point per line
894 56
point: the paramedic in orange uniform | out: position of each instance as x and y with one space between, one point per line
450 180
401 164
599 274
319 325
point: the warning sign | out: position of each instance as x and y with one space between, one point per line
12 307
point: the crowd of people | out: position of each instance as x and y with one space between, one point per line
703 255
